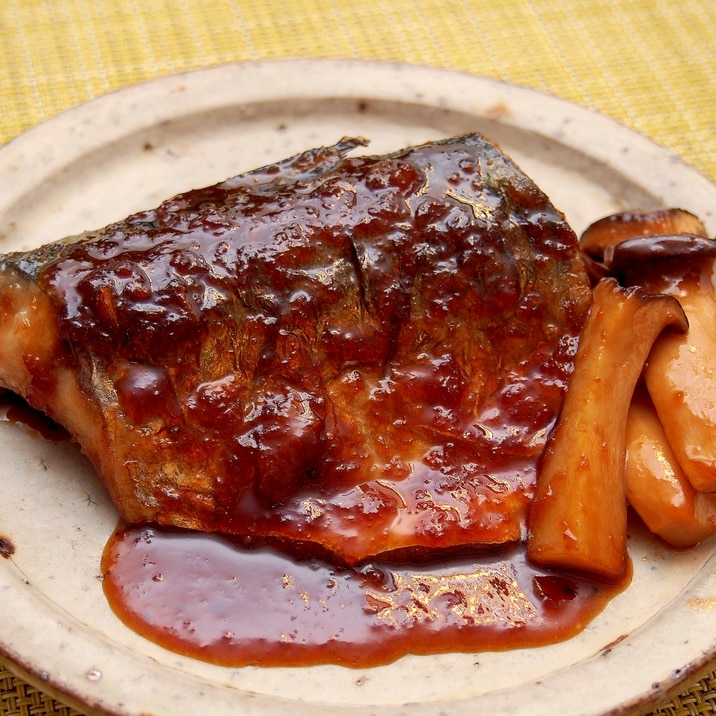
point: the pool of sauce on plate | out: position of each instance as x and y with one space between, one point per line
216 599
211 598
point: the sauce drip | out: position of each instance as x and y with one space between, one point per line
210 598
16 411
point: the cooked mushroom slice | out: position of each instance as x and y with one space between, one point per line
578 515
656 486
616 228
681 371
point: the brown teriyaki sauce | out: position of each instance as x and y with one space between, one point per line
16 411
211 598
215 599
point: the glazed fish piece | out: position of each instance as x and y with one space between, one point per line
364 354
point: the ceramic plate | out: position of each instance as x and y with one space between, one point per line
129 150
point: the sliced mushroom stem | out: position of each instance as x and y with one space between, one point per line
681 371
681 376
578 515
656 486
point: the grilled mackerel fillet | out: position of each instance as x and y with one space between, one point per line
363 354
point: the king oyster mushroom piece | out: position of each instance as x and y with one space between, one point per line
578 517
681 370
656 486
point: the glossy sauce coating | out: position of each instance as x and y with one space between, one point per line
207 597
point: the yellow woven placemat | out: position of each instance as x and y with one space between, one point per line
18 698
650 64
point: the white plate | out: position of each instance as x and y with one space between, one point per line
129 150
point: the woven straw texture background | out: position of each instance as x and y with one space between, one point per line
650 64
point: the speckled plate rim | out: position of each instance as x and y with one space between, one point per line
642 667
